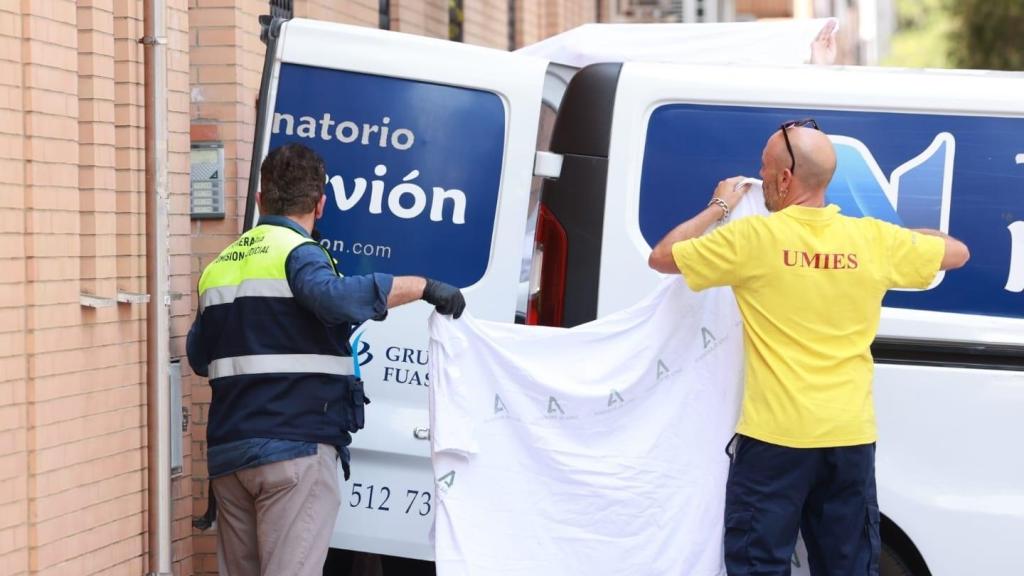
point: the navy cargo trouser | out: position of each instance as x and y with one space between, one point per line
827 493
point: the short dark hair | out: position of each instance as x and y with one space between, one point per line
291 180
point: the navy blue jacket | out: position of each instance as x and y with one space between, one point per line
319 319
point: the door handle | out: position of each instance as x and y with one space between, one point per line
421 433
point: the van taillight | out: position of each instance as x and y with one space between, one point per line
547 274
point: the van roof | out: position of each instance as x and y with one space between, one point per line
784 41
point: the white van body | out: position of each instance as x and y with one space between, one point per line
455 129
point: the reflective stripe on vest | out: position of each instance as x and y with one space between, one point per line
281 364
263 287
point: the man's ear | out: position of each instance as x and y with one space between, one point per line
785 180
320 206
259 200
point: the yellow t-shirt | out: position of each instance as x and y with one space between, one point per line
809 283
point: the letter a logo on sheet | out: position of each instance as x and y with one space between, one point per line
499 405
554 406
447 480
663 370
614 397
708 337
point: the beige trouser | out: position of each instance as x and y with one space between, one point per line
277 519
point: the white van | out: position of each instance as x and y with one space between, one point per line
431 151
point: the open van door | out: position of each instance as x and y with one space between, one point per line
429 148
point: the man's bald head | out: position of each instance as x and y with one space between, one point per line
815 157
802 178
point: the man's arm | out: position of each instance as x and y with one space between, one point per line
354 299
956 255
445 298
661 257
405 289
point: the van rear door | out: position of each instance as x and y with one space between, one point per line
429 147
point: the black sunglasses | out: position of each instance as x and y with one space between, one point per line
805 122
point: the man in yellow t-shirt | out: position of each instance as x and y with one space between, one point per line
809 283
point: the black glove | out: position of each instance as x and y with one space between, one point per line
447 299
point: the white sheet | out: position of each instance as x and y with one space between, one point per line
594 450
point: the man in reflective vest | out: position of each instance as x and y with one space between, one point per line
272 333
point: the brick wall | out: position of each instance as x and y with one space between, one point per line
72 394
361 12
558 17
537 19
486 23
529 23
423 17
765 8
13 314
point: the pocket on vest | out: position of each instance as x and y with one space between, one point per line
352 405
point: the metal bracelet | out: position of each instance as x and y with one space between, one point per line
721 204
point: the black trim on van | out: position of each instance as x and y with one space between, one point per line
948 354
584 123
270 31
582 135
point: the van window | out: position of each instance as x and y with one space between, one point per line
413 169
953 173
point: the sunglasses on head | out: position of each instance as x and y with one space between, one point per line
795 123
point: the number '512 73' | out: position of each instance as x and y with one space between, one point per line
378 498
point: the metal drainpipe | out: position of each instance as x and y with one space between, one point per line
158 286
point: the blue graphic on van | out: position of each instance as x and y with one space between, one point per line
958 174
413 169
916 195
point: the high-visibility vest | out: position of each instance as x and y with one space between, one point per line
275 369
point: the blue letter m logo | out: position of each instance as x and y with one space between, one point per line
916 195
